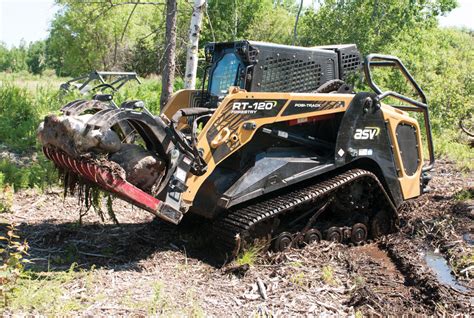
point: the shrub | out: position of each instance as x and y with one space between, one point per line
6 198
18 118
40 173
12 251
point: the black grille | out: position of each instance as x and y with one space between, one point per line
349 64
408 143
286 74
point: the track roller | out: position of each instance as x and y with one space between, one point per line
312 235
334 234
359 233
283 241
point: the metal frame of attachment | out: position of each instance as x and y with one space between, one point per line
122 79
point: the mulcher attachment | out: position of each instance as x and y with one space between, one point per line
155 145
109 181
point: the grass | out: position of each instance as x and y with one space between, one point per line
298 279
327 275
462 262
464 195
6 198
359 281
52 293
37 174
448 144
159 303
249 256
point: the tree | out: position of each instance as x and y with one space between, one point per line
36 59
170 52
4 57
261 20
370 24
193 45
98 34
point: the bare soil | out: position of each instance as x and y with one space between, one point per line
128 261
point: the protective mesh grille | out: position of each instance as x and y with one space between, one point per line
350 63
290 75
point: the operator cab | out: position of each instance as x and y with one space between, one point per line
268 67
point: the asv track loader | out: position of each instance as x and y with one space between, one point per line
275 145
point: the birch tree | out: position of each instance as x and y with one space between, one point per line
193 45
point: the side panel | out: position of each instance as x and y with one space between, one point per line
241 114
408 171
181 99
365 138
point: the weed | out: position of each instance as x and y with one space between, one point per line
359 281
40 173
464 194
460 262
157 301
248 256
6 198
12 252
298 279
328 275
359 314
48 293
195 309
447 145
296 264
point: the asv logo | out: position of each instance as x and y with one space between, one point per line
366 133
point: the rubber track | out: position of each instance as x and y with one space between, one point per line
240 221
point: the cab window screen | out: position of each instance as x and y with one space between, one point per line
225 74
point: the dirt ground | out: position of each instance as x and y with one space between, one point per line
144 266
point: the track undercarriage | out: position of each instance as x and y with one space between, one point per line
350 207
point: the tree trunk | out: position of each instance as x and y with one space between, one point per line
193 45
295 29
170 52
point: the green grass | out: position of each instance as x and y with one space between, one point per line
299 279
32 82
161 304
327 275
51 293
6 198
464 195
447 145
249 256
38 174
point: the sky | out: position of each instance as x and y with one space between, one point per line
29 20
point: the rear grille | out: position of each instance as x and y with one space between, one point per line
350 64
285 74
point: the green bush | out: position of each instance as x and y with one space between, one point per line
40 174
149 91
18 117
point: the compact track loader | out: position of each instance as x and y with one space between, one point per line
275 145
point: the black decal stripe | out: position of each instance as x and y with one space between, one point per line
292 109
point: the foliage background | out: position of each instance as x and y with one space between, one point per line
86 36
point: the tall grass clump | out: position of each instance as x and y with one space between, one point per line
36 174
21 112
18 118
